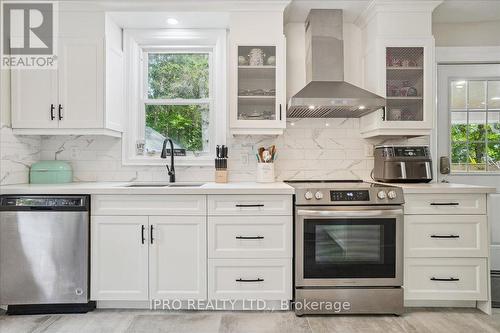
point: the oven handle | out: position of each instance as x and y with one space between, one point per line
349 213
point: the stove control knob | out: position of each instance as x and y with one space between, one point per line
308 195
381 195
392 194
318 195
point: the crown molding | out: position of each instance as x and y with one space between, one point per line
394 6
178 5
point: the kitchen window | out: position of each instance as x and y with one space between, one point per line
177 99
177 90
475 125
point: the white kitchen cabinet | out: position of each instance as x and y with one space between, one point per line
258 97
402 70
446 249
34 98
119 258
76 97
257 94
243 279
446 279
177 258
248 237
131 204
80 67
251 205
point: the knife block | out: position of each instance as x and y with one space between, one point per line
221 176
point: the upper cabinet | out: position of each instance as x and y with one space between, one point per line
398 63
77 97
405 77
257 74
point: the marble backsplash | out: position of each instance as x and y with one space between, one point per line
308 149
17 153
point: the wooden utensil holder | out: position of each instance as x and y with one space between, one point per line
221 176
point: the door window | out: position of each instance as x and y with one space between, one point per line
475 125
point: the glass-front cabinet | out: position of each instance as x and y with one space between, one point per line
403 72
405 84
257 101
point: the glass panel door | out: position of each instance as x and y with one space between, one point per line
257 83
405 83
349 248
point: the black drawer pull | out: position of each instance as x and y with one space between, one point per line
444 203
52 108
255 205
151 234
249 237
60 112
445 236
446 280
249 280
143 228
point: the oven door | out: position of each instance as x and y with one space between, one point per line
349 246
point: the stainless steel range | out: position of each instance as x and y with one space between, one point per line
348 247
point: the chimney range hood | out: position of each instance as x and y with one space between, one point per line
326 94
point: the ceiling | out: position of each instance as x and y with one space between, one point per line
457 11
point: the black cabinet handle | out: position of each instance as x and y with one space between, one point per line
445 236
60 112
143 228
249 280
280 112
249 237
151 235
444 203
446 280
52 108
256 205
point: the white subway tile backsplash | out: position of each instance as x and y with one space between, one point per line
308 149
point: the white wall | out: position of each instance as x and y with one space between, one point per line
467 34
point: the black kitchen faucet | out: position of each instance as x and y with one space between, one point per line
171 169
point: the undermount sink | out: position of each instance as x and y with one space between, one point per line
163 185
184 185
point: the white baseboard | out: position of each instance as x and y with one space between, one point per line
435 304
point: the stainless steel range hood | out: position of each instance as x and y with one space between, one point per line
326 94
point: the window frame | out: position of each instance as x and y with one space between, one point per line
137 44
467 111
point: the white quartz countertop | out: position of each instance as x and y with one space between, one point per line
214 188
121 188
445 188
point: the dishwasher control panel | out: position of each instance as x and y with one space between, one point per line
39 202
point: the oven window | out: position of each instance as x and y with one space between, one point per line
349 248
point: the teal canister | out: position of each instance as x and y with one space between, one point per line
51 172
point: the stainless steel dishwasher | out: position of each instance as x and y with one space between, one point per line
44 253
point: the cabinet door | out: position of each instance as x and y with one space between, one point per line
119 258
34 98
81 82
177 260
259 85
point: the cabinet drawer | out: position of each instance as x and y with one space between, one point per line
237 279
446 236
446 279
250 237
148 205
445 204
250 205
